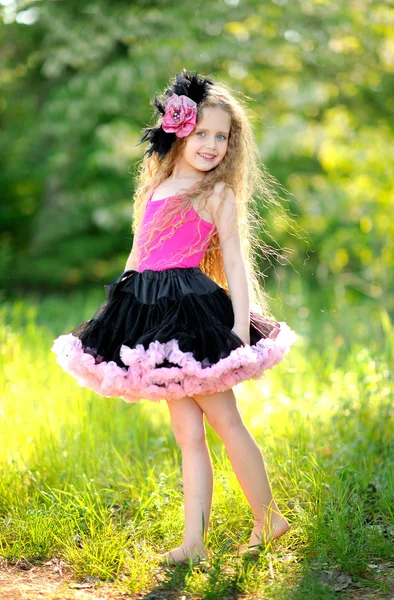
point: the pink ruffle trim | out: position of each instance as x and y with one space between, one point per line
142 380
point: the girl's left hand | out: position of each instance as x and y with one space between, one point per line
242 333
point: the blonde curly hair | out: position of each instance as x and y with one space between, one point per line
241 169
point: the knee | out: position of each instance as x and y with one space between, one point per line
226 425
190 435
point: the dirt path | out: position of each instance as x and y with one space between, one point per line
53 580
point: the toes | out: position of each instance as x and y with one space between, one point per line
171 558
246 550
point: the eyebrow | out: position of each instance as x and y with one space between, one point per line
205 129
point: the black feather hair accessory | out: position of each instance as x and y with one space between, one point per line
189 84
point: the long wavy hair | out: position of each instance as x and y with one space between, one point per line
242 169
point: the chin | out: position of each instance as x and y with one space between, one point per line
202 169
205 168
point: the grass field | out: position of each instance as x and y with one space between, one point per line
94 484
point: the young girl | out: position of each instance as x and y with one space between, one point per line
177 324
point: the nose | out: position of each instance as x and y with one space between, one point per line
210 142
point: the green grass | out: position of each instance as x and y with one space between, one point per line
97 481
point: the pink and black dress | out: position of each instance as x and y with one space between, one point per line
164 329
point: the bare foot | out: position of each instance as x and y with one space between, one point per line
271 531
260 536
183 554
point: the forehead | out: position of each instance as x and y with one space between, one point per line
215 118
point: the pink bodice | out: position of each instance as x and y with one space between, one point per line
194 232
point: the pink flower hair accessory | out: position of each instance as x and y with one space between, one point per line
180 115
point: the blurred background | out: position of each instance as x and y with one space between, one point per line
76 82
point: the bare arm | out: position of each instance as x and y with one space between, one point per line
234 266
238 285
131 262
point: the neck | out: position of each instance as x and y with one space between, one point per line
182 170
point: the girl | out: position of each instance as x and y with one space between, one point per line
177 323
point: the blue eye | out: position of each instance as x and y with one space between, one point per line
219 135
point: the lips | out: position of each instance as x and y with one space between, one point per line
206 156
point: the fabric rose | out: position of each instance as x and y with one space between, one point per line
180 115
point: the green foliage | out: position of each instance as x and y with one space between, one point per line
76 84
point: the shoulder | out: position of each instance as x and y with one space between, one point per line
222 194
225 218
224 210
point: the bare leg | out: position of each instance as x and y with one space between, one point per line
187 421
246 458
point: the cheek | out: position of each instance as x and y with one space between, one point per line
192 145
223 149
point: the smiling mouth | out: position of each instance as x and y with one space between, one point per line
207 156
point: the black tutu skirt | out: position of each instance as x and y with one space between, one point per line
166 335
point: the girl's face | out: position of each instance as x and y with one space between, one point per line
207 144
